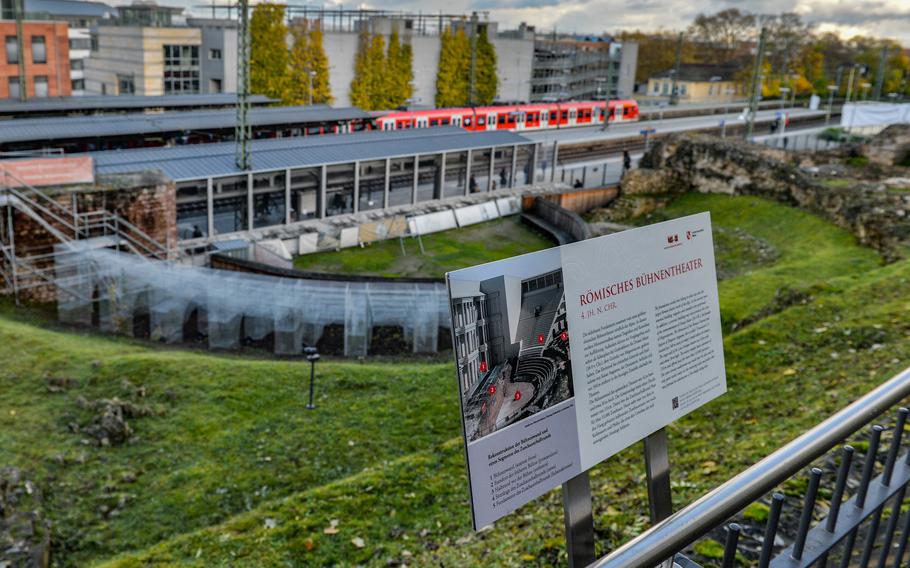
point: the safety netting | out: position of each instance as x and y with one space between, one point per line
111 289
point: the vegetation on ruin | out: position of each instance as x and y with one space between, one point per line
229 469
442 252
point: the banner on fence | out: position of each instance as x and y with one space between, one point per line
566 356
874 114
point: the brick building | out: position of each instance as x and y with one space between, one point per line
47 61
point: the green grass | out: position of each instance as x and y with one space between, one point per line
201 466
809 250
445 251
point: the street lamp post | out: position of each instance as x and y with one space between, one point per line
310 76
783 97
312 355
831 90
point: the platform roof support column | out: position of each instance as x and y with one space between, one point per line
210 206
533 168
492 169
388 178
467 181
249 201
514 165
555 161
416 176
287 196
441 177
322 189
356 187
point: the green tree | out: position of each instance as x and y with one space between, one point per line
322 91
360 84
452 77
268 51
486 78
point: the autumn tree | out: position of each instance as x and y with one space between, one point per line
399 71
657 52
486 79
377 70
452 76
300 64
360 84
268 51
319 64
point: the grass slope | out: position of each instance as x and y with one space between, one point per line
445 251
233 426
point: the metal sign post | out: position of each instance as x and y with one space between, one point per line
576 502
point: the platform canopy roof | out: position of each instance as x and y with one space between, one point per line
52 129
199 161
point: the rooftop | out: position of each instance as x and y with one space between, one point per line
197 161
70 8
701 73
75 127
122 102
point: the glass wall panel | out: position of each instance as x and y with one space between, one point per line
305 185
231 207
372 185
502 168
524 173
480 171
268 199
428 177
192 209
456 174
339 190
401 181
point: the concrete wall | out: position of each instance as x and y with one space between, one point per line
628 63
220 35
134 51
514 60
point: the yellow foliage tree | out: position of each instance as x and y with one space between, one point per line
268 51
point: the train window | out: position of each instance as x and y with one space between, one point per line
552 115
572 113
481 120
434 122
467 121
493 120
444 122
565 114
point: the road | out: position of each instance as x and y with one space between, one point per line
633 129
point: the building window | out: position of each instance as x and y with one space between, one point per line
39 50
40 86
78 84
80 43
14 87
77 64
93 42
181 69
215 85
214 54
126 85
12 50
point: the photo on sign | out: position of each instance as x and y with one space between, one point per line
511 341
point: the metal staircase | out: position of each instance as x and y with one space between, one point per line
22 269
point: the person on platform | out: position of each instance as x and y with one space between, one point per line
626 163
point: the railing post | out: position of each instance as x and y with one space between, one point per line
576 502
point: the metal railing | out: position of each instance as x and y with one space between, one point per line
811 546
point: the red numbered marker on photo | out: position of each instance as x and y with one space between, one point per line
492 389
483 366
517 395
540 338
564 336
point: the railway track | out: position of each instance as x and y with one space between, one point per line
593 150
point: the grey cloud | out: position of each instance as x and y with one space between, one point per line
513 4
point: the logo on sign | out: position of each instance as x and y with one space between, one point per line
688 235
672 239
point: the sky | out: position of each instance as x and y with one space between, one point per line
879 18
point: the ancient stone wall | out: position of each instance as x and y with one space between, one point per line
706 164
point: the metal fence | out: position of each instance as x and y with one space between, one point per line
585 175
871 527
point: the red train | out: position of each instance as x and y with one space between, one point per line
540 116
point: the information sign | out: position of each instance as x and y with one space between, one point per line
566 356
